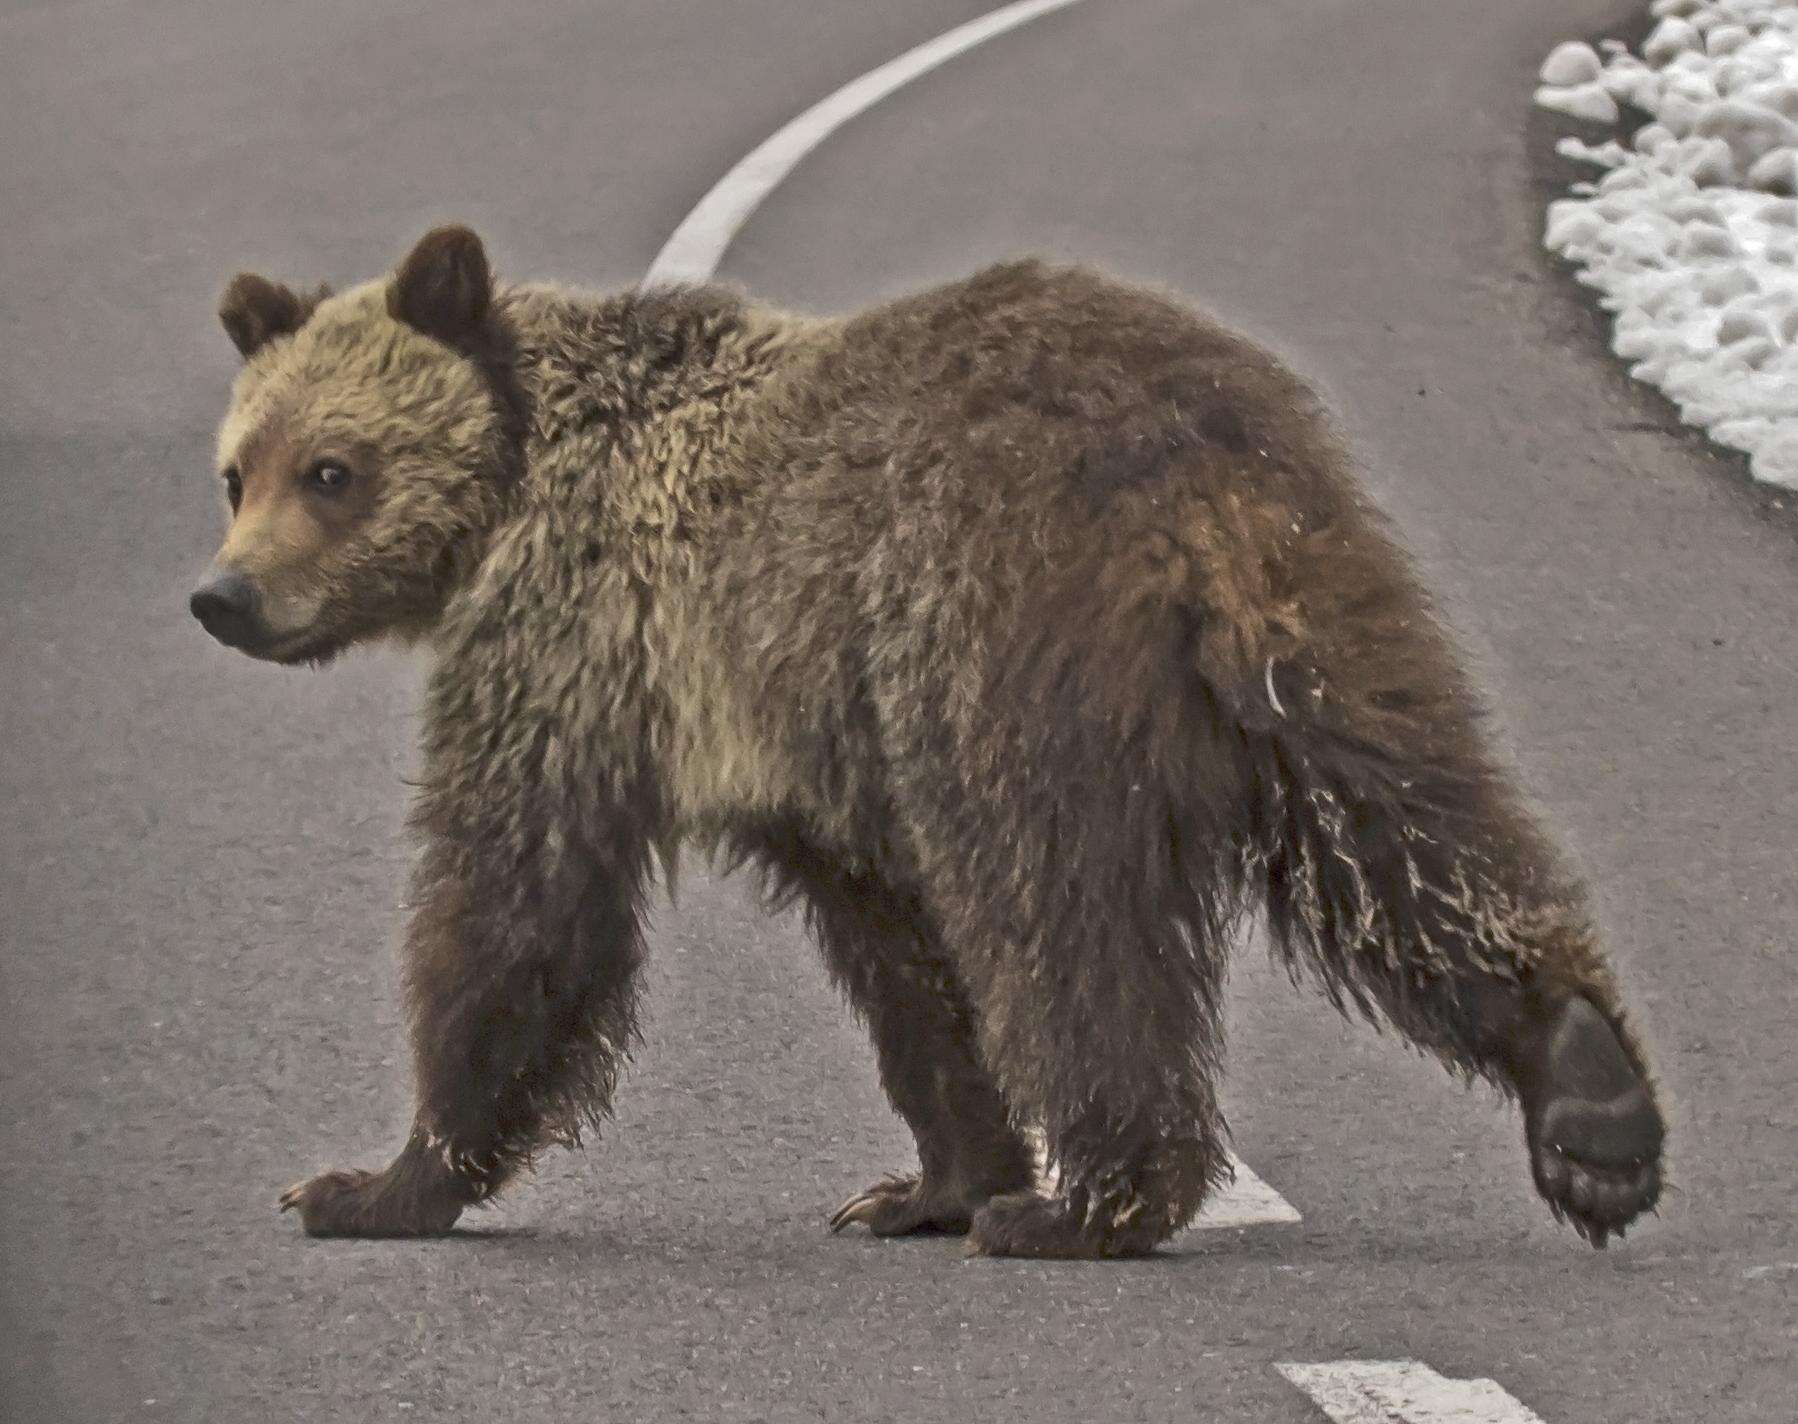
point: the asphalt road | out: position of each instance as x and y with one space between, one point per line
200 856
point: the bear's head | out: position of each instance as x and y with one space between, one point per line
365 455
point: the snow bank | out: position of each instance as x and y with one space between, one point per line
1691 235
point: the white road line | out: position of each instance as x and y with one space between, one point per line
1404 1392
1248 1201
693 252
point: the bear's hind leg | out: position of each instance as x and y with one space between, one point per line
880 950
1421 890
1107 1028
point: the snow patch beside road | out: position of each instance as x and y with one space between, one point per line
1691 235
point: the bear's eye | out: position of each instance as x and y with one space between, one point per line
233 487
328 475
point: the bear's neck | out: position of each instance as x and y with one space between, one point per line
635 409
607 372
630 417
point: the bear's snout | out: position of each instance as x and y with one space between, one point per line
226 607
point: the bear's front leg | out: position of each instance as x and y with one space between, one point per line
520 964
418 1194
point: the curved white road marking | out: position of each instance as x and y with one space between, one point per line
694 250
1404 1392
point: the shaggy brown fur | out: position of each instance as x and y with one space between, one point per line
1029 631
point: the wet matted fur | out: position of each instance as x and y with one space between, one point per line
1030 631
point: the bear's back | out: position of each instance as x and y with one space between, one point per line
942 480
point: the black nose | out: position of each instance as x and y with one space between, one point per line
226 608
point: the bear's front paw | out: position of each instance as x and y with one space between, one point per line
1594 1131
357 1203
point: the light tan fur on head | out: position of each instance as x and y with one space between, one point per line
409 417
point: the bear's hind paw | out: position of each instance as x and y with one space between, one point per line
1049 1228
1595 1134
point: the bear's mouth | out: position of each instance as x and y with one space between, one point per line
296 650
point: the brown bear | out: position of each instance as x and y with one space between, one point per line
1031 631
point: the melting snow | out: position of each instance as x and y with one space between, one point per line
1691 235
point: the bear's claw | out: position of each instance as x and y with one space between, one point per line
903 1205
359 1203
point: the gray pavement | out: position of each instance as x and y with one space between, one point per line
200 860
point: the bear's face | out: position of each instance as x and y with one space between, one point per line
362 456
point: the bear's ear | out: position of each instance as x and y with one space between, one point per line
255 311
444 286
